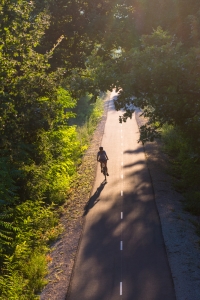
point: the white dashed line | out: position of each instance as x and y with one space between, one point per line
121 245
121 215
122 163
121 193
120 289
122 176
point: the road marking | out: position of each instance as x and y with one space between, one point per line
122 176
122 163
121 193
121 214
120 289
121 245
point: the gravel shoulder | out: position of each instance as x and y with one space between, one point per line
182 243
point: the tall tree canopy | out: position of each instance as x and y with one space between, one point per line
160 69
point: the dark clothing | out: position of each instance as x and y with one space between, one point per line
102 156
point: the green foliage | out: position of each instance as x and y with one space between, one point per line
8 196
193 202
8 189
36 270
60 153
85 24
82 110
175 144
39 151
85 131
163 77
185 166
36 222
13 285
24 269
32 219
24 284
6 228
28 91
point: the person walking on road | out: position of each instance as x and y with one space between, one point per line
102 158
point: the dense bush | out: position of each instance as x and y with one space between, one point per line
27 227
39 151
185 165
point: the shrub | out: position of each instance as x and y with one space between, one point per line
185 165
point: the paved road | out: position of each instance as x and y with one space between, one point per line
122 253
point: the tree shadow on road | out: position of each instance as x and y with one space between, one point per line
138 150
94 199
145 270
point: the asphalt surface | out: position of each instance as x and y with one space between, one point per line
122 253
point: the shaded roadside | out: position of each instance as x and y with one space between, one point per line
64 249
182 243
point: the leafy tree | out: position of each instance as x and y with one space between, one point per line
39 151
86 25
23 79
163 78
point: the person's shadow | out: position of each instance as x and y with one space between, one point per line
94 198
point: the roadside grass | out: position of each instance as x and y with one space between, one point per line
184 166
22 275
91 118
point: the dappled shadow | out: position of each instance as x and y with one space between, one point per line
140 162
142 266
138 150
94 199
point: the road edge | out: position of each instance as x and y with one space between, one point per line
181 241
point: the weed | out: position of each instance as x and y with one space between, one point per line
35 271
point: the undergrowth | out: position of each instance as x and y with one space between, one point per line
86 129
28 226
184 166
